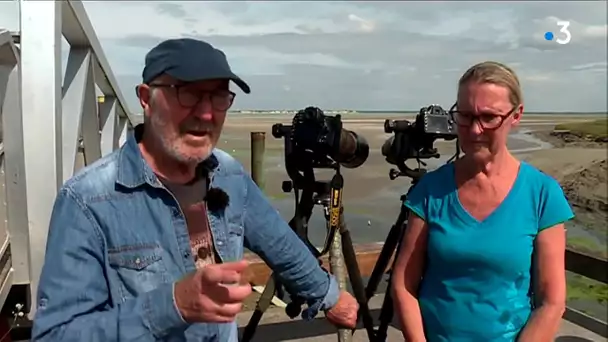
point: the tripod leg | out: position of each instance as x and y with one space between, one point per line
383 260
387 312
356 281
386 316
280 290
262 305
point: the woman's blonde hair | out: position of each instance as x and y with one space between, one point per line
494 73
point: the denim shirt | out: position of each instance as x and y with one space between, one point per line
118 242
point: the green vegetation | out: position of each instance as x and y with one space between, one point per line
588 246
596 128
581 288
584 294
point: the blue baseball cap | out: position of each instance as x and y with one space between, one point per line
189 60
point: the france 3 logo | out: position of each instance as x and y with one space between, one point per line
563 37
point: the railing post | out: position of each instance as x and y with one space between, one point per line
258 147
41 92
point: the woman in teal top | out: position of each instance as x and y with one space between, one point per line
485 232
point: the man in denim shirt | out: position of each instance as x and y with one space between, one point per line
136 249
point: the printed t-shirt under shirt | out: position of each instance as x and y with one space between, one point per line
191 197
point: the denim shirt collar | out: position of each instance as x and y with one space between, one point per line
133 171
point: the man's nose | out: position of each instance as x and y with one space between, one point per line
204 109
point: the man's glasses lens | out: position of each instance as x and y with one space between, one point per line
220 100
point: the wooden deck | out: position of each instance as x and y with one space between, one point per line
276 326
367 254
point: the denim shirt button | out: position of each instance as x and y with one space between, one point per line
137 261
219 243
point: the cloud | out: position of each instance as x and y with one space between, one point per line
363 25
599 66
595 31
369 55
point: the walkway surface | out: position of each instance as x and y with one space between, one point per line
276 326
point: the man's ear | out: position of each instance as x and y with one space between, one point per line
143 94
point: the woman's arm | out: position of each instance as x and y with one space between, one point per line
550 249
406 277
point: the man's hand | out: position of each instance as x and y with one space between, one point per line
344 313
214 293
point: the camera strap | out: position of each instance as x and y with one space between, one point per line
335 204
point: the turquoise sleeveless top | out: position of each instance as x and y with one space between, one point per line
477 283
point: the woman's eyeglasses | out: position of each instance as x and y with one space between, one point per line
486 121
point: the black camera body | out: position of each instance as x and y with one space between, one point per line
315 140
415 140
314 137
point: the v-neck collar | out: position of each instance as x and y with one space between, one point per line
467 217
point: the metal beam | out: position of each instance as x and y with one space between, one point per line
74 93
13 154
78 31
123 130
16 255
41 111
109 122
89 129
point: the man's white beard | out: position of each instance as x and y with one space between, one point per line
170 145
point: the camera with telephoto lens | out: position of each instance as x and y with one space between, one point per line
414 140
316 140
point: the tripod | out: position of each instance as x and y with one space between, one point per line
328 195
391 247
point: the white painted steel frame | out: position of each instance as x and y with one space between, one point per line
59 116
11 158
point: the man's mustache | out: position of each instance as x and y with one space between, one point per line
196 125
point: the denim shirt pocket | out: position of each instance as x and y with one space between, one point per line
234 236
228 225
139 268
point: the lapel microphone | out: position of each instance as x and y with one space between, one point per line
217 199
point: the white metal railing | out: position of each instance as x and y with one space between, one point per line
13 189
59 116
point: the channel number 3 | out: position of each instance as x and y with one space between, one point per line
564 29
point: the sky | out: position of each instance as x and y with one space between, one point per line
366 55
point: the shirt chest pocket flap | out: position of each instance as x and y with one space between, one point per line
139 268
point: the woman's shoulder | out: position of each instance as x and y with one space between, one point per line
439 175
548 197
537 178
542 190
436 183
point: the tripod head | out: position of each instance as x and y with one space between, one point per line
404 170
416 139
